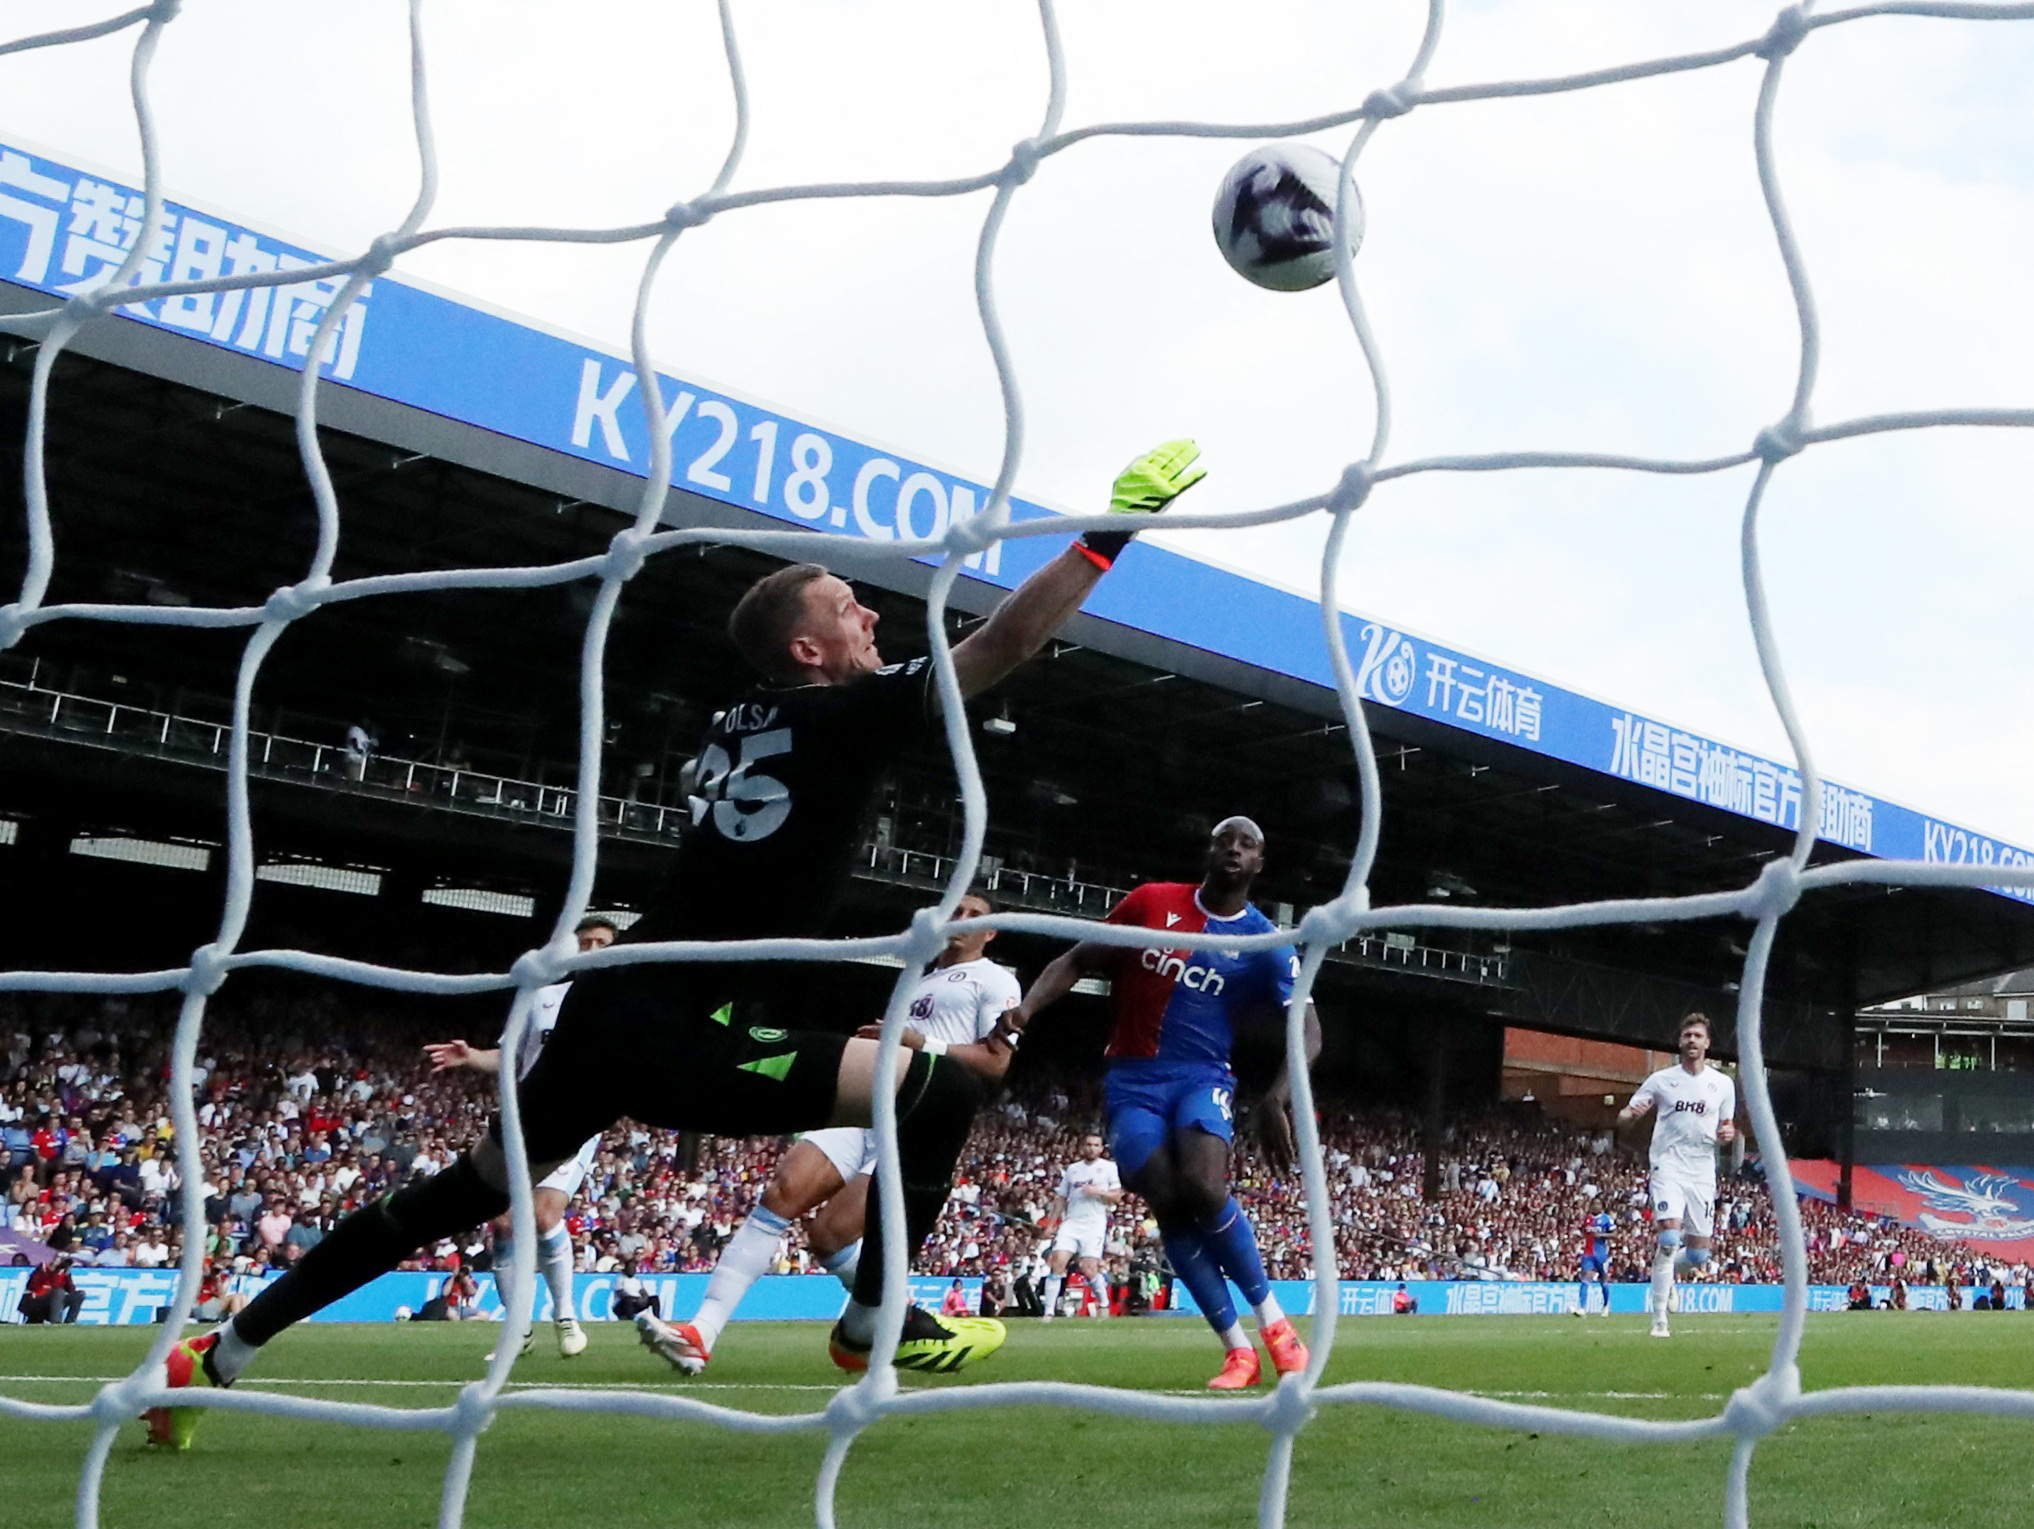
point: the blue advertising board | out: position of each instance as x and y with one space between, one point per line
63 230
133 1297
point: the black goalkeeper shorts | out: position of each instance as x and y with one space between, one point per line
665 1046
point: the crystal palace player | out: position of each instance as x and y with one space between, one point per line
1697 1105
784 777
1170 1093
1595 1261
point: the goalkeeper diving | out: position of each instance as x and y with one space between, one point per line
785 778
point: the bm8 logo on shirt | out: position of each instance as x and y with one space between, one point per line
1202 979
921 1008
1693 1106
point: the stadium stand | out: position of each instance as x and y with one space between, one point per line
309 1106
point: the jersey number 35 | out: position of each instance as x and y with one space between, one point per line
746 804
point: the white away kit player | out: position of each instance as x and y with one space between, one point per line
1694 1106
551 1194
1086 1191
955 1010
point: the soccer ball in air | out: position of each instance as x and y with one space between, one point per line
1275 216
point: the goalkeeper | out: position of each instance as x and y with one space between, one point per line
784 777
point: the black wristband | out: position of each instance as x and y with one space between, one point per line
1107 545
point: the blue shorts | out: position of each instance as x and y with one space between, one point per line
1151 1101
1593 1265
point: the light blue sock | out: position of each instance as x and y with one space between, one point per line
505 1274
842 1265
554 1262
746 1259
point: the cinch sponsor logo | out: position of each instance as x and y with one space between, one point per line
1202 979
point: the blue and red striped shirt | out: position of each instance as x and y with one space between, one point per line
1183 1005
1596 1236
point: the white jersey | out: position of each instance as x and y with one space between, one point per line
543 1020
1687 1109
957 1004
1082 1186
570 1174
960 1004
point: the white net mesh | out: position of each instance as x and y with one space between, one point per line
1752 1413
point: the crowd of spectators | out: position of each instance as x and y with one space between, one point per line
307 1107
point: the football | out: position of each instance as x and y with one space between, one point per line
1275 216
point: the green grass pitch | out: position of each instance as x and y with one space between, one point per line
1354 1466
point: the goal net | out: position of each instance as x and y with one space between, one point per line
1748 1416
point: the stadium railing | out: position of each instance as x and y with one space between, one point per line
26 706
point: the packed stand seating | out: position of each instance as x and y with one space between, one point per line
308 1107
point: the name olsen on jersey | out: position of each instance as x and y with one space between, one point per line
747 717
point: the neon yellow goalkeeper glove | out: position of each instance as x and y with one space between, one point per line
1145 487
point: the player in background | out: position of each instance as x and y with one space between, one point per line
1595 1261
956 1011
786 775
1086 1191
1694 1106
549 1198
1169 1090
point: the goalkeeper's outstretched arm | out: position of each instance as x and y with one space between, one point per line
1041 605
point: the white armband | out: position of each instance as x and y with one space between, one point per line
933 1046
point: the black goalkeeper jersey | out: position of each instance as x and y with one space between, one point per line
784 780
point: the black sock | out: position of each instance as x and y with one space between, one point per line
935 1107
370 1242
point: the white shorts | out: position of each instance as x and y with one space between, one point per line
570 1174
1693 1205
851 1149
1083 1238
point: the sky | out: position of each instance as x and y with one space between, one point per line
1592 271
